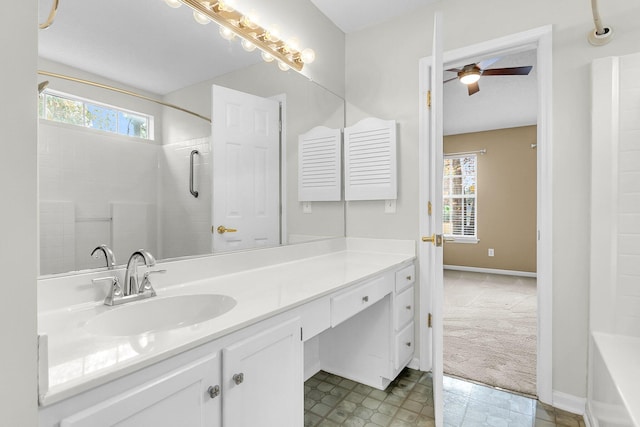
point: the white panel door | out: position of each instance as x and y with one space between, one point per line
263 379
431 252
246 170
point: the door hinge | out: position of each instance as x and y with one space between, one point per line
428 99
429 324
212 231
429 208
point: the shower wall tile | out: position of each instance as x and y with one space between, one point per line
92 169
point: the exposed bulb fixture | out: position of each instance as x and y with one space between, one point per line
173 3
308 55
235 24
469 75
247 45
201 18
226 33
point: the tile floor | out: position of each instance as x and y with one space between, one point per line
330 400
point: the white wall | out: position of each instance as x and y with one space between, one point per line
382 80
18 225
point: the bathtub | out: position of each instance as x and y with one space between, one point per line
614 385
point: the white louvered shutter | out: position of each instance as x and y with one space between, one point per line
370 160
319 165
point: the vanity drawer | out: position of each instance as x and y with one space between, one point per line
405 277
404 346
363 296
404 308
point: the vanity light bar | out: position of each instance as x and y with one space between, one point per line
242 26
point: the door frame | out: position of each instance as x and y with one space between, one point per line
540 39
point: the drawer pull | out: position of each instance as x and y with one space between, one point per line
408 344
238 378
365 298
408 307
213 391
408 277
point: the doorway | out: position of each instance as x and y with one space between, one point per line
540 40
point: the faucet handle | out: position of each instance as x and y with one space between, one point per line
115 290
146 283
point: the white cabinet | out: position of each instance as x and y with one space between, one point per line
180 397
263 383
249 378
372 334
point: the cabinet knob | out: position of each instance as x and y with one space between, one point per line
408 344
365 298
408 307
238 378
408 277
213 391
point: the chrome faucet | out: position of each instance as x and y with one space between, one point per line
131 276
108 255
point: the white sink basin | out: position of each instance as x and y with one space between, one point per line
159 314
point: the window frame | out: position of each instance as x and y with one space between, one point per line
87 103
456 238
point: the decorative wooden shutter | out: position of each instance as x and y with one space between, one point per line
319 165
370 160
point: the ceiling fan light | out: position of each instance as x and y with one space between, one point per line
469 77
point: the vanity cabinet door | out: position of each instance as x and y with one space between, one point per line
263 379
179 398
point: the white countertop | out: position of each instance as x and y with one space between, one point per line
78 360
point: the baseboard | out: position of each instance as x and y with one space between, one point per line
490 271
589 420
569 403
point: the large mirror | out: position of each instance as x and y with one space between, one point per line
129 192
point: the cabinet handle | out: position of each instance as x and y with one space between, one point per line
408 277
408 344
408 307
213 391
365 298
238 378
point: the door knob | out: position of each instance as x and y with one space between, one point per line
222 229
436 239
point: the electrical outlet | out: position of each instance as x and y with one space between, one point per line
491 252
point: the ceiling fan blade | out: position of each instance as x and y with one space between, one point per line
512 71
473 88
454 70
450 80
486 63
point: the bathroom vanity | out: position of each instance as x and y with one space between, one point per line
343 305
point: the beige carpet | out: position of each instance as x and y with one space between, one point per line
490 329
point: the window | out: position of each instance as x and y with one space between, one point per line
68 109
459 197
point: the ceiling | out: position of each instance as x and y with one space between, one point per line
158 49
355 15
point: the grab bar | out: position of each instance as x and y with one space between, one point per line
191 190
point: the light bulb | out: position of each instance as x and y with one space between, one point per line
226 33
469 78
293 44
308 56
267 57
173 3
200 18
274 33
248 22
283 66
248 46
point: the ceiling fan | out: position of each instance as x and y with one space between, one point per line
470 73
